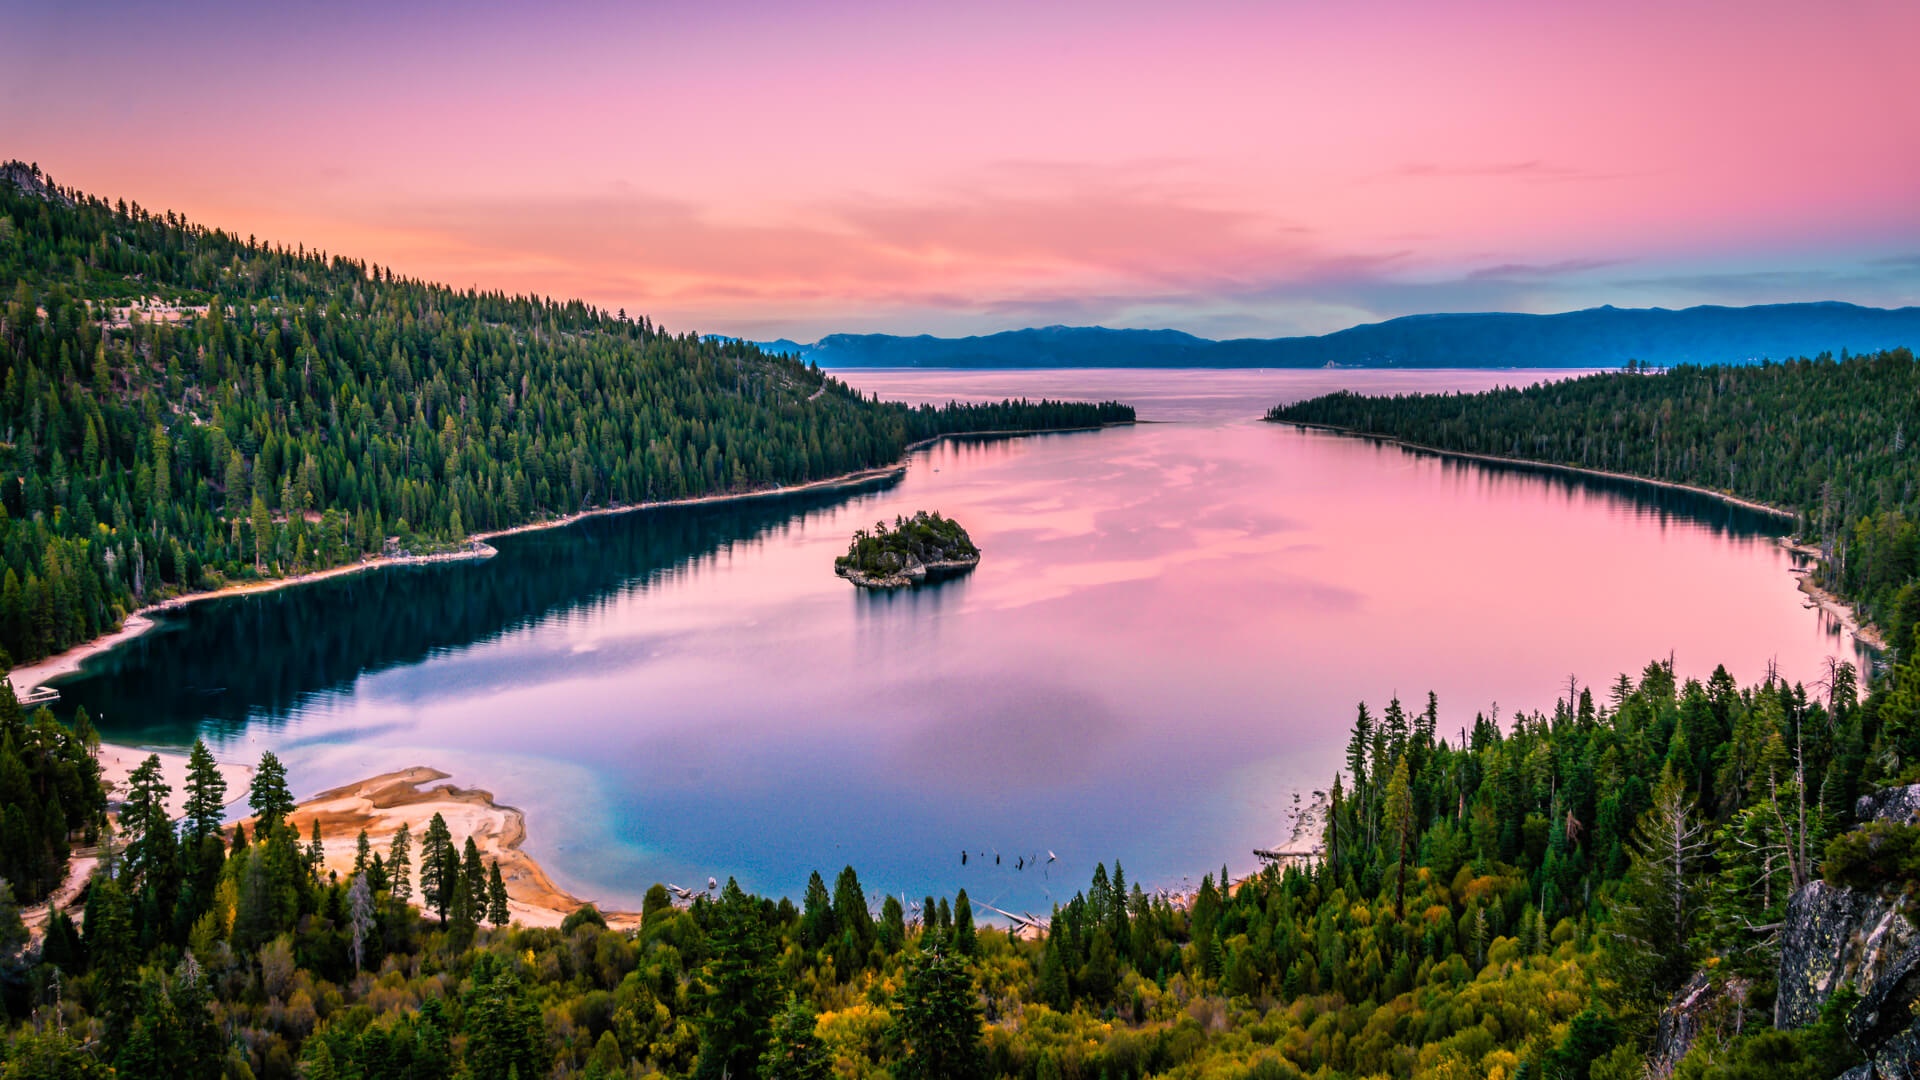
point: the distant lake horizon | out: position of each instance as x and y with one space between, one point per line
1165 641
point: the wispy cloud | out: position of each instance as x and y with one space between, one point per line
1041 245
1534 171
1535 271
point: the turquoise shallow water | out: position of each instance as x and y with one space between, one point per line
1164 642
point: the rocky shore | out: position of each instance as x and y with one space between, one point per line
910 572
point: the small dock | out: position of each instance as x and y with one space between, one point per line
41 695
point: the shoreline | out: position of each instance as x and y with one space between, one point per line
1500 459
1849 616
1839 609
381 804
29 678
117 762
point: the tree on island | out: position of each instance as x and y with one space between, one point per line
907 550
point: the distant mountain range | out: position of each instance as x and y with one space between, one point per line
1596 337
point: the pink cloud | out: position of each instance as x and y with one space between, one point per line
1280 167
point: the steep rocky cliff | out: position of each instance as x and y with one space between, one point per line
1865 938
1701 1007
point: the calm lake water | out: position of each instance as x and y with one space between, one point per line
1165 641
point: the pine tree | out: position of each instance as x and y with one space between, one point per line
937 1020
892 929
1055 987
1400 827
854 923
316 852
400 864
359 918
741 989
439 867
206 792
316 1061
816 917
143 818
963 933
13 931
607 1062
506 1038
474 875
1653 920
497 911
268 796
795 1052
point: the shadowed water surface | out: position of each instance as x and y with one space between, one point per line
1164 641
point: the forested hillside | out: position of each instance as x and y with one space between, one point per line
181 407
1596 337
1831 439
1496 899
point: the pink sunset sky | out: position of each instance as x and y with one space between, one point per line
1227 169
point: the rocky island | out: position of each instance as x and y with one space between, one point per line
918 549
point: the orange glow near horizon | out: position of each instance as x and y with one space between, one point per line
1226 169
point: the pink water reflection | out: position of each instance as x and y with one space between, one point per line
1165 640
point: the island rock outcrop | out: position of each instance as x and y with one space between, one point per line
918 549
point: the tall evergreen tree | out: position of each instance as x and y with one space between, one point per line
963 933
497 911
144 823
400 864
268 796
937 1021
795 1052
439 867
742 991
1400 826
1653 921
206 792
474 872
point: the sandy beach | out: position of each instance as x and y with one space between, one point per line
117 763
381 804
30 677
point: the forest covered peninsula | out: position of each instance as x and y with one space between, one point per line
184 409
1828 440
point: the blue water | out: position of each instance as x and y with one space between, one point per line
1163 644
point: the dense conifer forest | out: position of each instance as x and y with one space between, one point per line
1496 898
181 408
1830 439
